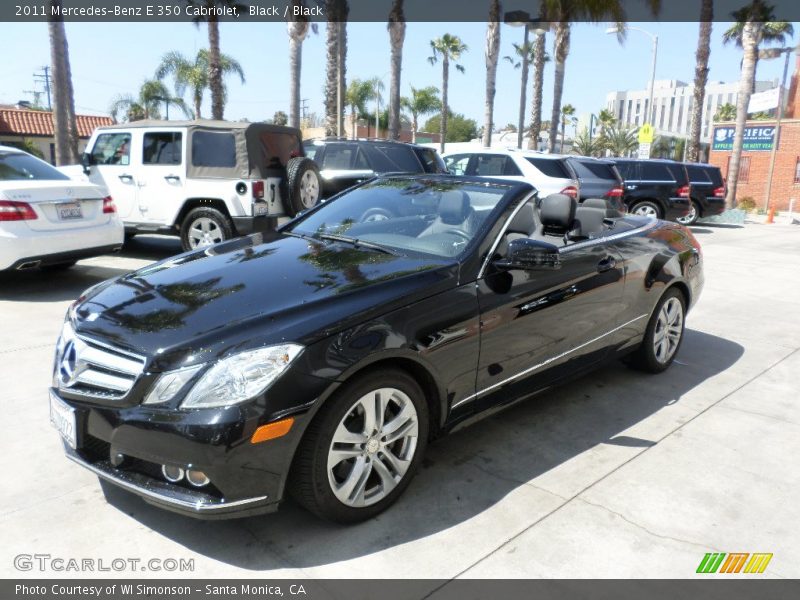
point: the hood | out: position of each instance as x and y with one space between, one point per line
247 292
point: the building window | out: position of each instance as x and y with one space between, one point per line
797 170
744 169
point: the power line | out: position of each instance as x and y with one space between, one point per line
44 77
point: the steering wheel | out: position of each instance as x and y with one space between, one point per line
460 233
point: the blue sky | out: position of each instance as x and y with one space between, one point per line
113 58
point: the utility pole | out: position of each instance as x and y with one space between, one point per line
36 96
44 77
304 109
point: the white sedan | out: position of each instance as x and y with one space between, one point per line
49 220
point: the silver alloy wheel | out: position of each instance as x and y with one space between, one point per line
205 232
373 447
309 189
646 210
689 217
669 328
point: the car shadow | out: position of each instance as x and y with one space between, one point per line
464 474
151 247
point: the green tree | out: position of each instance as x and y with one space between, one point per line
358 94
586 145
192 74
725 112
336 13
567 115
376 88
397 36
540 56
297 29
147 103
421 102
621 140
492 55
446 48
280 118
65 127
524 54
459 128
700 78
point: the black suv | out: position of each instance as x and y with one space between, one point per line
344 163
597 178
707 192
655 188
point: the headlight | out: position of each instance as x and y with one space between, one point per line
241 377
170 384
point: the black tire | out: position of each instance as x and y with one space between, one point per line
645 357
219 228
692 219
647 205
308 480
60 266
303 184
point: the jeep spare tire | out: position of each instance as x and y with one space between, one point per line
303 183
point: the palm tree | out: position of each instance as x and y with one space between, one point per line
492 55
65 127
147 104
563 13
376 87
358 93
539 57
297 28
336 12
193 74
700 78
725 112
397 35
606 119
567 114
586 145
215 71
767 31
621 140
524 54
447 48
422 102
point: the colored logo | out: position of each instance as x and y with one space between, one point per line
735 562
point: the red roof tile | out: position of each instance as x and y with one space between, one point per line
17 121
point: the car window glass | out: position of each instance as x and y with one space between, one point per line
490 164
678 173
457 163
112 149
339 156
550 167
162 148
655 172
392 158
16 166
213 149
715 174
697 174
311 150
361 162
431 160
594 170
511 168
627 170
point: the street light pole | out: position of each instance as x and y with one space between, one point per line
774 53
649 112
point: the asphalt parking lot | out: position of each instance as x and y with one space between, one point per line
617 474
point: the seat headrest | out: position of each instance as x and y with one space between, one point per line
454 207
524 221
557 212
589 222
595 203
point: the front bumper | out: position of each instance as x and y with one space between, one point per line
713 206
677 207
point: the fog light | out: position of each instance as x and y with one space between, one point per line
172 474
197 478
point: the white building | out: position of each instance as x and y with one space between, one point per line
673 102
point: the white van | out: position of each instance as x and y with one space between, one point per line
206 181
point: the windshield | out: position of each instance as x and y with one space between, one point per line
439 217
18 165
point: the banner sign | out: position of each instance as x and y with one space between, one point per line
764 101
756 138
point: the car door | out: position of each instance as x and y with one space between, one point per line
538 326
161 177
457 164
110 167
496 166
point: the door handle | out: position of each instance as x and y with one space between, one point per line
172 178
608 263
125 178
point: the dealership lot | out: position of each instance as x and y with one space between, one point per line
618 474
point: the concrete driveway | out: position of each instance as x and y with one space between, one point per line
617 474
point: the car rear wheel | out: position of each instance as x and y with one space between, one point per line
691 217
646 209
204 227
362 449
304 184
663 335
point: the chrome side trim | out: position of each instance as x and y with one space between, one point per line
610 238
545 363
199 507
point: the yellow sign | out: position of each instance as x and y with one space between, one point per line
646 134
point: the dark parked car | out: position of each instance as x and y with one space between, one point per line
707 192
345 163
655 188
320 359
598 178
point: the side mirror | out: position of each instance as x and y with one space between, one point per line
86 161
529 255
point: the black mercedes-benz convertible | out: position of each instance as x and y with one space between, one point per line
320 360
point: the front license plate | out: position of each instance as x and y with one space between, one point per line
62 417
260 209
67 212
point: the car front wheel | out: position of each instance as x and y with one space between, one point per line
362 449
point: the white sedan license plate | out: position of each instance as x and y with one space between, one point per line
62 417
70 211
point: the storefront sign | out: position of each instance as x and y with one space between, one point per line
755 138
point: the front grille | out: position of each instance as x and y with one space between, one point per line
91 368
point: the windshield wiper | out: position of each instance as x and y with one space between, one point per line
300 235
356 242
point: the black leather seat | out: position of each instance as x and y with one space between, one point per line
557 215
611 213
588 224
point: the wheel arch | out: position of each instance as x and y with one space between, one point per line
192 203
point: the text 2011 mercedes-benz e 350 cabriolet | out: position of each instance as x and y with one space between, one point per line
321 359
